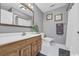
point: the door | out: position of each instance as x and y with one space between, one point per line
72 41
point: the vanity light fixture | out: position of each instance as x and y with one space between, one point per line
30 6
22 7
25 8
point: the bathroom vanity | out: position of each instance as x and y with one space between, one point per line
26 46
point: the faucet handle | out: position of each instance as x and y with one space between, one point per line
23 33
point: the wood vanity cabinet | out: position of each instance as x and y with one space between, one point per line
26 47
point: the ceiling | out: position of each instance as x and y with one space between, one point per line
44 7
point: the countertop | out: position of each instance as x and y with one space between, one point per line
13 38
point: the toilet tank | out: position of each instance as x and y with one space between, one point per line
42 35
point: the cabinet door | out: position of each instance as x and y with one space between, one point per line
26 51
39 45
34 48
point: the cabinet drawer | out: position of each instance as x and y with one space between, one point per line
14 52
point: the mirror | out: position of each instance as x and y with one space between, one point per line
19 14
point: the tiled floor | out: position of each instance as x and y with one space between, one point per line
40 54
62 52
51 50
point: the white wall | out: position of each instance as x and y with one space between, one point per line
50 25
73 27
38 17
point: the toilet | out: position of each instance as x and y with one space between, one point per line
47 41
50 47
46 44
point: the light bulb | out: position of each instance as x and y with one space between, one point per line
23 8
20 5
31 7
29 4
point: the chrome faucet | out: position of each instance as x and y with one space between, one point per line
23 34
